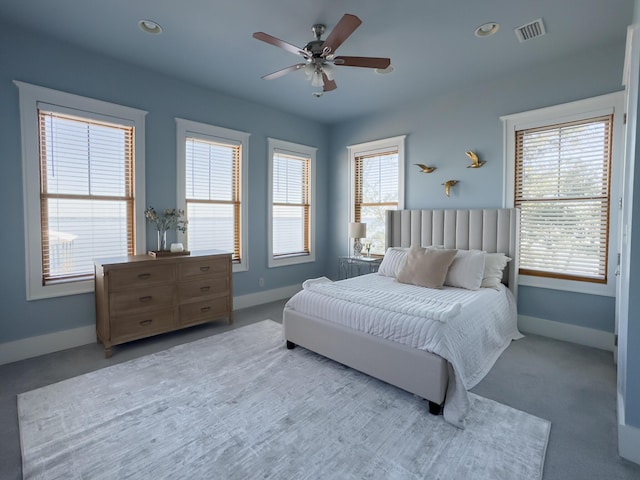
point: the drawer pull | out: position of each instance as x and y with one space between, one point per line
146 298
205 289
204 269
144 276
205 309
146 322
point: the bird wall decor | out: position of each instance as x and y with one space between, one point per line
447 186
424 168
475 161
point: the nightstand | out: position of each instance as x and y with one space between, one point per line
354 266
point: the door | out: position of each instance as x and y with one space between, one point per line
631 78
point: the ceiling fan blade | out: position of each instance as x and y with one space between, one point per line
284 71
328 84
367 62
345 27
265 37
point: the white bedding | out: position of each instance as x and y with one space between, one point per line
469 329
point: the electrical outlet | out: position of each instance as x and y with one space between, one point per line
261 282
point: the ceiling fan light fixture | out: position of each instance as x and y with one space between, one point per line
487 29
149 26
309 69
316 79
329 71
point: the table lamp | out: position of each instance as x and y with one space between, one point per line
357 231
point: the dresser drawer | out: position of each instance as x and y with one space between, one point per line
129 327
145 273
142 299
206 267
206 287
206 310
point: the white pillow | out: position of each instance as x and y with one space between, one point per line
467 269
494 264
393 261
426 267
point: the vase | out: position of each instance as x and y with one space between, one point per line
357 247
162 240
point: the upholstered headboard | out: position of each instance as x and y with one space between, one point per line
492 230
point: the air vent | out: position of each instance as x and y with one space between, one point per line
530 30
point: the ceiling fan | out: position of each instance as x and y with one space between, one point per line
319 55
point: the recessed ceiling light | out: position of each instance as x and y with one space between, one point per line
149 26
487 29
382 71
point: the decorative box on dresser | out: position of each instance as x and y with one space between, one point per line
140 296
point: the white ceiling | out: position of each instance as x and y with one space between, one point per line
430 42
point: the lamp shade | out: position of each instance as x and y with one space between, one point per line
316 79
357 230
327 69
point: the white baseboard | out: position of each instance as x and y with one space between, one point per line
49 343
267 296
53 342
628 436
567 332
629 443
75 337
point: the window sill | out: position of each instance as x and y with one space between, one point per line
60 289
291 260
605 290
239 267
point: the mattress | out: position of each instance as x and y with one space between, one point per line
469 329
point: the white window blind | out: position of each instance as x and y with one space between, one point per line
291 205
562 181
376 190
213 195
86 194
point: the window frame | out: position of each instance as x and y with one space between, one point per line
189 128
372 148
609 104
296 150
30 97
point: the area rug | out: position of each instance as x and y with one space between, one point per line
239 405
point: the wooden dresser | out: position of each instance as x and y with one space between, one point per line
140 296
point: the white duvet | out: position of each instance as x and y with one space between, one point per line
469 329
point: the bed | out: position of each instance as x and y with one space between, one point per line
426 369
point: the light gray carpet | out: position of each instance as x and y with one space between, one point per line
239 405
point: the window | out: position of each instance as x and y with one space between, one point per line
377 172
211 163
562 190
86 194
291 213
80 187
562 182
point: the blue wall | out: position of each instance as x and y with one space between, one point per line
42 61
440 129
